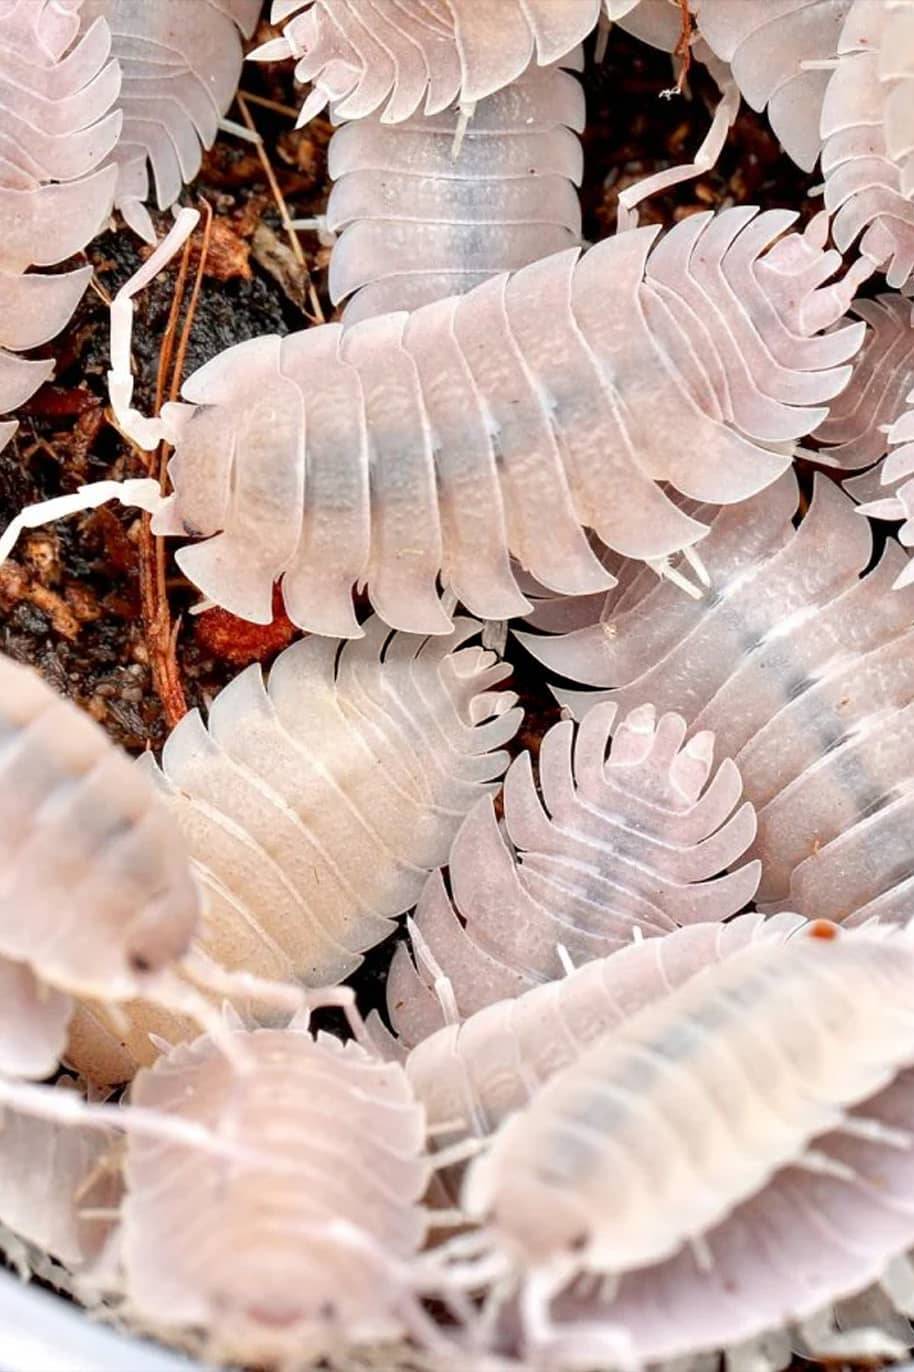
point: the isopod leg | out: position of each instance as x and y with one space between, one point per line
144 432
441 982
69 1109
553 1343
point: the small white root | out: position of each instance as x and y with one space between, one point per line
140 493
144 432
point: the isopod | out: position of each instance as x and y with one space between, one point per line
409 446
315 805
803 669
305 1246
629 844
58 128
418 222
716 1142
471 1076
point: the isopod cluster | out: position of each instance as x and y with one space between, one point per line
638 1088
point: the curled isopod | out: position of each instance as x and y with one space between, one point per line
480 411
710 1155
803 669
603 850
304 1246
181 64
57 128
315 805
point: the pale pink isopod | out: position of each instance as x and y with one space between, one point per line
803 669
716 1142
603 850
57 128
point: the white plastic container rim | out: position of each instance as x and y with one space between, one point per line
40 1332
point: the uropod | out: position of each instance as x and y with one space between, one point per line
780 1072
411 448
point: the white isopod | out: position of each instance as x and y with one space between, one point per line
772 1087
411 446
304 1245
314 806
803 669
618 846
471 1076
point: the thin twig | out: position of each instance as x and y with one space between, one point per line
282 207
273 105
161 633
683 48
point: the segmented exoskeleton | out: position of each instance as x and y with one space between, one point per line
873 421
315 806
420 220
400 57
854 434
896 70
706 1156
471 1076
307 1244
406 447
57 128
804 670
618 846
181 63
863 183
780 52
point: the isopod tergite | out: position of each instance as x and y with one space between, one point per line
706 1157
316 805
180 63
409 447
629 844
58 127
803 669
420 221
306 1245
